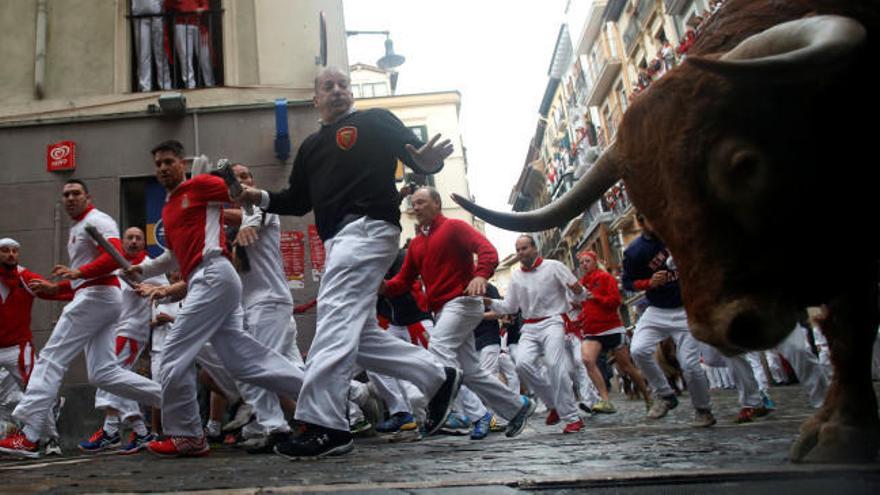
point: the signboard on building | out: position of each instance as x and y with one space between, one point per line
293 255
61 156
316 252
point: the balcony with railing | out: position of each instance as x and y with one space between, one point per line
177 50
606 65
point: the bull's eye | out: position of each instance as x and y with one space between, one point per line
737 171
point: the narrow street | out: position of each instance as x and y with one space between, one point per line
618 453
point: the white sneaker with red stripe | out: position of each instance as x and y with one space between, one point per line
180 447
18 445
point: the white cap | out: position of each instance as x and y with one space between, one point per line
9 242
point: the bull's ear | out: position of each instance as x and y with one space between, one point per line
795 51
739 173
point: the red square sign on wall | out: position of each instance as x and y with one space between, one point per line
61 156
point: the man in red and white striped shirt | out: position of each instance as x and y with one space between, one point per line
87 324
192 217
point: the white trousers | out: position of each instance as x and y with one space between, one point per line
127 353
347 332
212 313
754 359
508 369
655 325
188 41
734 371
777 371
271 324
452 341
586 391
544 343
88 323
393 390
16 363
796 350
149 40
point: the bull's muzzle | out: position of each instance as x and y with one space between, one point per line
746 324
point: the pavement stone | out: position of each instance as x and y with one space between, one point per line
617 453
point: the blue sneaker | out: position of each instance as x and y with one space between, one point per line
100 441
767 402
481 427
456 424
397 422
518 422
136 443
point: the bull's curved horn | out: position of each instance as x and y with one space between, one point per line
791 51
585 192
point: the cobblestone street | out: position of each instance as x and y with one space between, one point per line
617 453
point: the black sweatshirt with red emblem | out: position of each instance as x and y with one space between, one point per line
347 168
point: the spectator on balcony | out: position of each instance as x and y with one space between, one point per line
192 37
686 42
149 42
667 54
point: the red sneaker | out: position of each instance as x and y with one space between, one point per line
180 447
552 418
574 427
18 445
746 415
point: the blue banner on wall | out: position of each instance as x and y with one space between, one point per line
155 198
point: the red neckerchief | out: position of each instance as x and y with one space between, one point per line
136 259
83 215
536 264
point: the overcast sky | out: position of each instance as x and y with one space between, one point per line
496 53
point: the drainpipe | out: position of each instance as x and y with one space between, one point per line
195 115
40 50
57 245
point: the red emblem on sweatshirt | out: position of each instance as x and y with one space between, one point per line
346 137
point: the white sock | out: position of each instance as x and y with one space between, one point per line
213 427
111 425
32 434
138 426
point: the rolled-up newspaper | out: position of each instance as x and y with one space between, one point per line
111 250
224 170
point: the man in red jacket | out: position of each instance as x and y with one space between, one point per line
16 301
443 254
603 331
86 325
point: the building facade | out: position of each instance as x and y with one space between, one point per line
605 54
70 80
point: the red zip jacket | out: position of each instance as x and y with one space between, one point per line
599 313
444 257
15 306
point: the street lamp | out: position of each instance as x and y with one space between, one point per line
391 60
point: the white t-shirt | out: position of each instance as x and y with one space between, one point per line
81 248
539 293
265 282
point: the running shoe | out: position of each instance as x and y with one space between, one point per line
438 408
136 443
574 427
516 425
18 445
481 427
316 442
100 441
180 447
398 421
